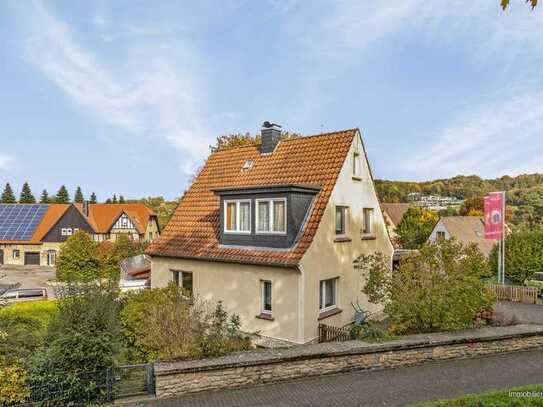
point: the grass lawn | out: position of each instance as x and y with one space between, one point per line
499 398
42 311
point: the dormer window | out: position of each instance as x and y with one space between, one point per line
237 216
247 165
271 215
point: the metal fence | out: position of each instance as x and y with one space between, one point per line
514 293
328 333
93 387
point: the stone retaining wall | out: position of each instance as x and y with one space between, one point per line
260 367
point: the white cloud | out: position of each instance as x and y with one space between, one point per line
154 90
6 162
499 136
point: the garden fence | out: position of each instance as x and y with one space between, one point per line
328 333
514 293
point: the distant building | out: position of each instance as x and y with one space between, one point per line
433 202
393 214
31 234
465 229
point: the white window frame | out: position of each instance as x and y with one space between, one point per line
63 232
322 294
262 297
76 230
345 209
368 229
16 254
238 212
51 254
69 232
124 221
272 204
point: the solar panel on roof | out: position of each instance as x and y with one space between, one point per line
18 222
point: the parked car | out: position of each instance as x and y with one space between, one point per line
23 295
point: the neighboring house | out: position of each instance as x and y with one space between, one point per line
135 273
465 229
272 230
393 214
31 234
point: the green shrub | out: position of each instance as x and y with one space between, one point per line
20 337
77 260
13 389
439 289
164 324
41 311
82 341
415 227
523 255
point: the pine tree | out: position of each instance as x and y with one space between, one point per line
7 195
62 195
121 199
79 198
93 198
45 197
26 195
114 200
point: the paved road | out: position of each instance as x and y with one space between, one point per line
397 387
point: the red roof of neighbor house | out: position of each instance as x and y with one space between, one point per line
467 230
193 231
103 216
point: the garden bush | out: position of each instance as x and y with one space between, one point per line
13 389
82 341
439 289
164 324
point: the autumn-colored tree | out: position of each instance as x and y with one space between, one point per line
415 227
239 139
473 207
505 3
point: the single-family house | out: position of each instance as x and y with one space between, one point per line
31 234
272 231
465 229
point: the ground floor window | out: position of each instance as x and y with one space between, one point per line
328 294
266 297
183 279
16 254
51 257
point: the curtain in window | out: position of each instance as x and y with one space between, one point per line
279 216
263 216
231 216
245 216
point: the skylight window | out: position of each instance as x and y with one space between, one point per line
247 165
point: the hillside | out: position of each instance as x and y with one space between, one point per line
524 193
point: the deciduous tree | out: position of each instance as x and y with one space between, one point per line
441 288
415 227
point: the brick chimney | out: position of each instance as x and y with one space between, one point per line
271 135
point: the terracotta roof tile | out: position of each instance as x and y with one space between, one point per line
193 231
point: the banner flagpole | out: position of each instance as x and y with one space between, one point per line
503 239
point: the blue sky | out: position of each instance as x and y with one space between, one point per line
126 96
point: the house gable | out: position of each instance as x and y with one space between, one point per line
71 219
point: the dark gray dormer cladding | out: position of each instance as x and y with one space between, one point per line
297 199
68 224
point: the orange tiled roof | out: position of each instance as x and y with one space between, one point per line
103 216
193 231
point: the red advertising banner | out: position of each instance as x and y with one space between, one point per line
494 215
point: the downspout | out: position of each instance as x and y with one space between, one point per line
301 308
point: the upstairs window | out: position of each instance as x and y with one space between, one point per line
368 221
237 216
356 164
341 220
271 215
440 235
